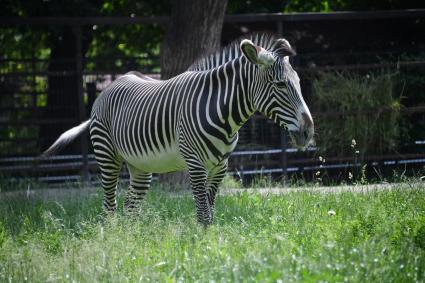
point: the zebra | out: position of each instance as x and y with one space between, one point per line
191 121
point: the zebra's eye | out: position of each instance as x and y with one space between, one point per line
280 84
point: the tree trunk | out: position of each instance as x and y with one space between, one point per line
194 30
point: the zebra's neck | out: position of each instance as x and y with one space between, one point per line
229 101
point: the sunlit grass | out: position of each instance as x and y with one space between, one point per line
373 237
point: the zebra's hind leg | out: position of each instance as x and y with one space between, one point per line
213 182
109 173
139 185
109 163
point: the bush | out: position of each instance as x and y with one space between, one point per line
365 108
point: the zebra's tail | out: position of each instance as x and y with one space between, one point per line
65 139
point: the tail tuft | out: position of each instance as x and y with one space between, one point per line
65 139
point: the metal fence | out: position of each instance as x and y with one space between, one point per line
350 41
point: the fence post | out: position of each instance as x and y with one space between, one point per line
284 156
81 106
279 28
91 94
283 135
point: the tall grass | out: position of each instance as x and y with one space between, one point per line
373 237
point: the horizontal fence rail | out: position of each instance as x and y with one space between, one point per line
244 18
67 163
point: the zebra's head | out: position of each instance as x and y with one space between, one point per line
276 89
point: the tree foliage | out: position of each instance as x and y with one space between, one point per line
137 40
274 6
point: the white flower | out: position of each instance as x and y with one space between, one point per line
321 159
350 175
331 212
353 143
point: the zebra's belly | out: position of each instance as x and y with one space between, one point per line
167 161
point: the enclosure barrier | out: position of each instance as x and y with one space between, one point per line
83 165
67 163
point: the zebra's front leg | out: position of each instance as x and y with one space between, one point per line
214 180
139 185
198 180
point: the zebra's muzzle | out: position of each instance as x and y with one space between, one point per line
303 137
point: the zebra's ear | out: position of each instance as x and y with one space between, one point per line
283 48
256 54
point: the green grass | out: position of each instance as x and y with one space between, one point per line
374 237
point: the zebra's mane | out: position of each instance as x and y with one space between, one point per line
232 51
